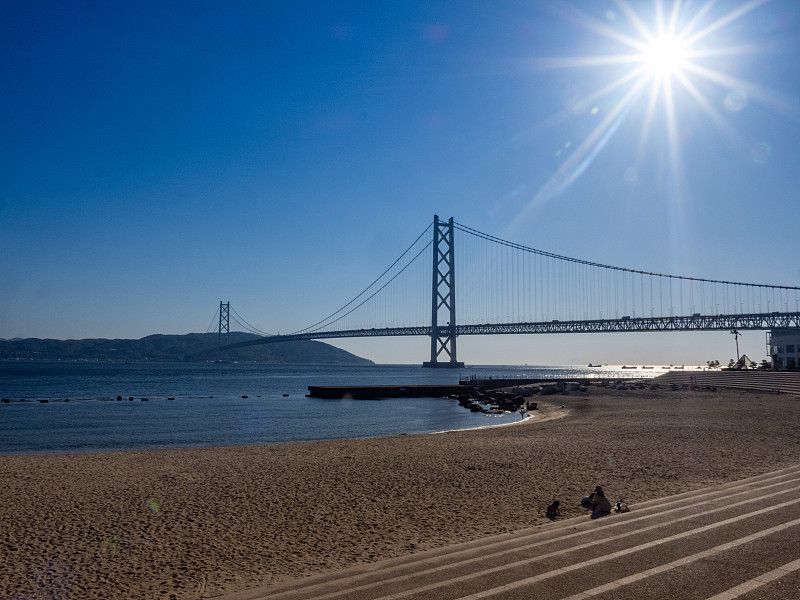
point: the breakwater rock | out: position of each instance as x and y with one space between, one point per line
515 398
494 401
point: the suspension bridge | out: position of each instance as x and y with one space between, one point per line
508 288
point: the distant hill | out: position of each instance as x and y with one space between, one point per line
194 347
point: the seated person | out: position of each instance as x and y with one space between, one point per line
593 499
601 507
552 510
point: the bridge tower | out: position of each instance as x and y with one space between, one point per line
224 319
443 296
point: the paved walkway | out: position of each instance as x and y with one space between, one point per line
735 541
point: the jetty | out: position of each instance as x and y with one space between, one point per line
493 383
376 392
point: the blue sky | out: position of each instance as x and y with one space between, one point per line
160 157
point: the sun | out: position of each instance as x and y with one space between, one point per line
668 60
665 56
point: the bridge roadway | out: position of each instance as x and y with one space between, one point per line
739 540
625 324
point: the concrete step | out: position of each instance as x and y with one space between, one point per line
763 381
728 539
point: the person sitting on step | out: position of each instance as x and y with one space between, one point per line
600 504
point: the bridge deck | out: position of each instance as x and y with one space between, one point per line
624 325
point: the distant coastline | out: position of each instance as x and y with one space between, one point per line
192 347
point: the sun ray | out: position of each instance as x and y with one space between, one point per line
584 102
583 61
580 18
659 18
725 20
566 173
713 114
648 119
730 51
672 125
617 83
772 98
696 19
673 19
645 33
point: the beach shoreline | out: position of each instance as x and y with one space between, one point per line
207 521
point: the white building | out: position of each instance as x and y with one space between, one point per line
784 348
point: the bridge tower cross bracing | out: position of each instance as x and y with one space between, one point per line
224 320
443 296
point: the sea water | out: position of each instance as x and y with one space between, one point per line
61 407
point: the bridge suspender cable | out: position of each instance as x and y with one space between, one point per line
516 246
240 320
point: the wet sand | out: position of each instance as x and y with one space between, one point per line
198 523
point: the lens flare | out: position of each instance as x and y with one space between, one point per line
154 504
735 101
112 546
760 153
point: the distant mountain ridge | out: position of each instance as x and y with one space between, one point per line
194 347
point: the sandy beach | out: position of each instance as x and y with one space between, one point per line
189 524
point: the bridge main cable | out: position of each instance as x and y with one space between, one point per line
340 314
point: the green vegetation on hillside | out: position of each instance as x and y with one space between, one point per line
191 347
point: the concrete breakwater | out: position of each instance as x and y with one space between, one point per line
377 392
490 396
469 396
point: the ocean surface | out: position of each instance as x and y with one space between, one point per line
205 404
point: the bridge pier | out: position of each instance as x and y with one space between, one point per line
224 321
433 364
443 296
